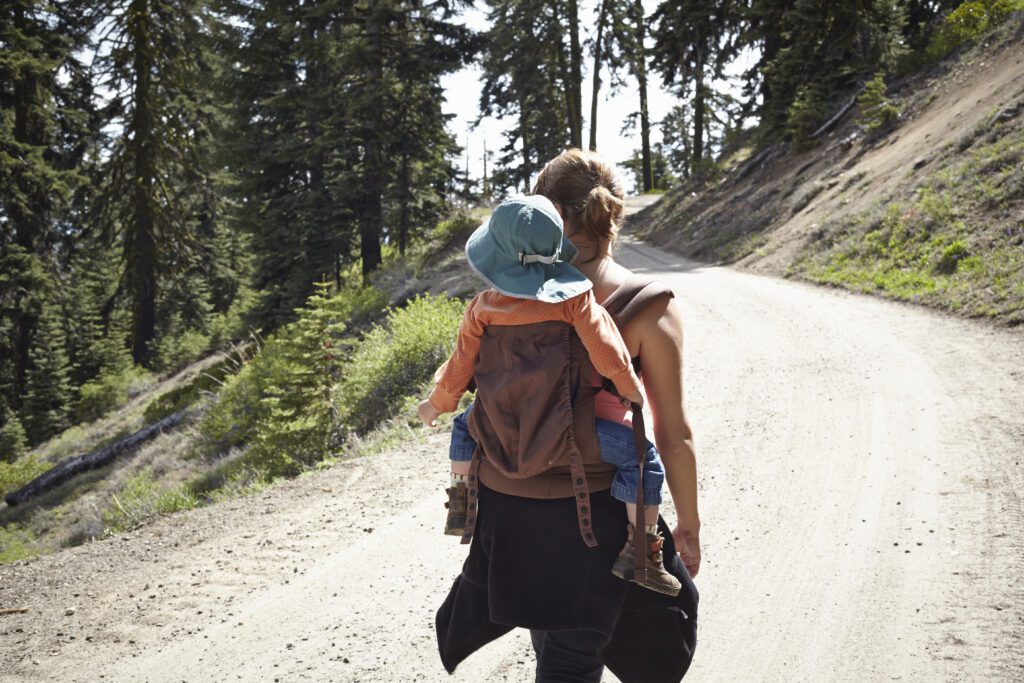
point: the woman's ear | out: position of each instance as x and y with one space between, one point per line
559 209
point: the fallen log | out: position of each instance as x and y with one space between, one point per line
72 466
839 114
763 156
13 610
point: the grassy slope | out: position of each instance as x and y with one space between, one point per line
932 212
160 476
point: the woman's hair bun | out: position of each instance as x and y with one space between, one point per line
601 213
588 188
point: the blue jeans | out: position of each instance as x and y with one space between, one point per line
616 443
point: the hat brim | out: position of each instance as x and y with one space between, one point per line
551 283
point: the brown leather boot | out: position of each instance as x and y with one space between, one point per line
658 578
457 499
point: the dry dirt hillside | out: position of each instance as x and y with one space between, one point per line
931 211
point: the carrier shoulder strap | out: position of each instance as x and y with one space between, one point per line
626 302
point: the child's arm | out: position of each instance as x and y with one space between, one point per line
452 378
605 347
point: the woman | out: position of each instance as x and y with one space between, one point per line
526 567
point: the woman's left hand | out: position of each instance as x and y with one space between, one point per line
688 546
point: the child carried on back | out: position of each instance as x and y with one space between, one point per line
522 254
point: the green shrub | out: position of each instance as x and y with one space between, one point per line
14 475
15 544
809 110
13 441
105 392
877 113
280 405
951 257
232 418
395 359
141 498
936 210
365 305
231 326
210 380
966 24
172 352
230 478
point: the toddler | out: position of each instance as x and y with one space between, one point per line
522 254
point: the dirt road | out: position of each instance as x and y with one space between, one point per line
861 477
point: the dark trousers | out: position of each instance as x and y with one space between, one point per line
568 656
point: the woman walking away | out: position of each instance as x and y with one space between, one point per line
529 565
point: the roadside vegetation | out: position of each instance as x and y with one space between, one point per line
339 381
957 242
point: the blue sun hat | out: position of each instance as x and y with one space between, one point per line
522 252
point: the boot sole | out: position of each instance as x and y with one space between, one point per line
625 572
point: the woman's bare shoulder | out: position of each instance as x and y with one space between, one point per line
660 320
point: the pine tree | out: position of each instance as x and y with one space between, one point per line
676 140
597 50
662 175
13 441
278 184
48 394
422 175
638 64
153 175
613 44
98 330
36 181
573 74
824 51
694 42
921 15
302 360
523 76
339 137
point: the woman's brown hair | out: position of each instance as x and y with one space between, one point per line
589 191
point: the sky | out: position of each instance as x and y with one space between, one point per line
462 98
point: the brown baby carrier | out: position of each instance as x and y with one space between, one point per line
533 416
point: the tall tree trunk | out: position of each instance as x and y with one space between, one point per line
316 82
405 200
523 125
601 19
699 106
771 21
373 182
571 112
140 243
486 187
576 72
640 66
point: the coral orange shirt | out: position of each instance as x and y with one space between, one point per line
592 323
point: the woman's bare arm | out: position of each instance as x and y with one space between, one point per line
659 328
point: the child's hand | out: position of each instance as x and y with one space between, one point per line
635 397
428 413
